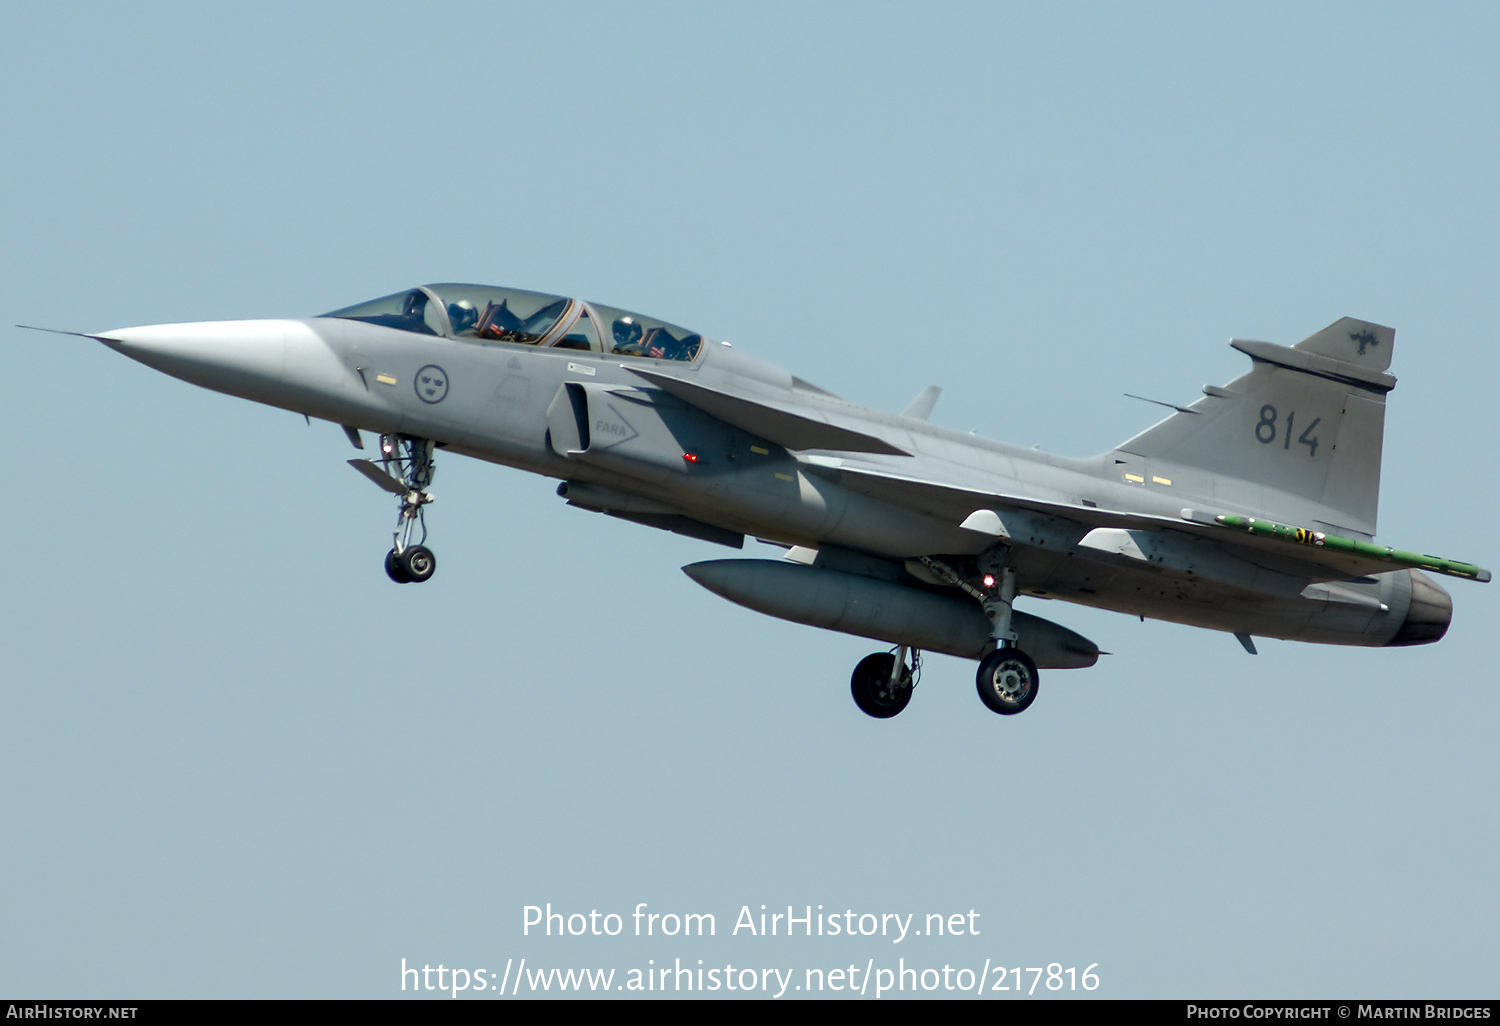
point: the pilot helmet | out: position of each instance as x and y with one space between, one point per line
462 315
626 330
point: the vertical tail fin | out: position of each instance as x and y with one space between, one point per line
1297 439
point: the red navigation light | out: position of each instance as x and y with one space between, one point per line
691 457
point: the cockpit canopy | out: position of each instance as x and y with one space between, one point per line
487 314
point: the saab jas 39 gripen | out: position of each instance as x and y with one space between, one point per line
1250 511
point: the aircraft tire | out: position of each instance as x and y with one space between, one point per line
870 686
1007 681
393 568
418 563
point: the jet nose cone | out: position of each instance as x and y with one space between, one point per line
255 344
239 357
1429 614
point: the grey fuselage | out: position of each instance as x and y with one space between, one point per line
613 429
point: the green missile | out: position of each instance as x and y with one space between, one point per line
1301 535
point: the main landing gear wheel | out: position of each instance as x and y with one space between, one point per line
1007 681
874 692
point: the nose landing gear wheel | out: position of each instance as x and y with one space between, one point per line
1007 681
873 690
393 568
417 563
405 470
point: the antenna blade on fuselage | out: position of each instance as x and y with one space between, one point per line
920 408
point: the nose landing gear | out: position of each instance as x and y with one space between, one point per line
413 566
406 469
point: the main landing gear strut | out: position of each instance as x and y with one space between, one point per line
406 469
1007 677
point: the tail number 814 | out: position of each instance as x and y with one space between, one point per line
1267 431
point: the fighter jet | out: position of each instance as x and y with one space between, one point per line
1251 511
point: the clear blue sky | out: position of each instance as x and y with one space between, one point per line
239 762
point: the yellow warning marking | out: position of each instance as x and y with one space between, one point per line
1136 478
785 477
758 449
385 379
1161 480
